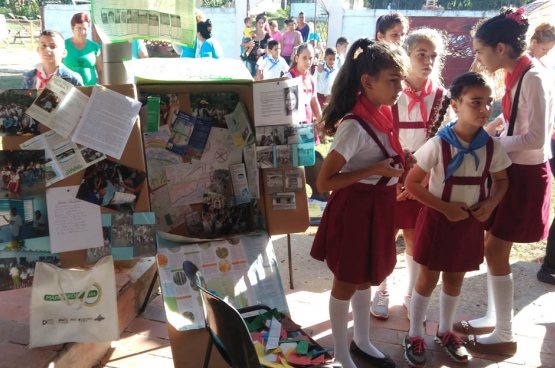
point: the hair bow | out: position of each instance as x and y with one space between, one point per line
516 16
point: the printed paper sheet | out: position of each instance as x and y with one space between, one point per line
168 20
242 270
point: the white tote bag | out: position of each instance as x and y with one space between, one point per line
74 306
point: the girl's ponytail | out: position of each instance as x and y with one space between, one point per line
364 57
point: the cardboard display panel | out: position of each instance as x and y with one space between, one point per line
285 221
277 222
132 157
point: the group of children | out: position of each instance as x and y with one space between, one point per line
402 160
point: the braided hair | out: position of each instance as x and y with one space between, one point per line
456 92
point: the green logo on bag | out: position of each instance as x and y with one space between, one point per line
93 296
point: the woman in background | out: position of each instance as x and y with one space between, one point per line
83 55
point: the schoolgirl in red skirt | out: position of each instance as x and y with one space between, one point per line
523 214
449 233
413 117
14 186
355 237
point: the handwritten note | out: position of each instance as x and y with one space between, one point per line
74 224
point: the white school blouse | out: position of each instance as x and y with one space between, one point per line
413 139
359 149
530 143
430 158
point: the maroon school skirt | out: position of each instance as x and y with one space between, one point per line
522 216
442 245
11 188
356 234
406 213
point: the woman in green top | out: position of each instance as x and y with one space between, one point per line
83 56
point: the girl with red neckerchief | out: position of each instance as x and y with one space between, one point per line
362 169
523 214
300 67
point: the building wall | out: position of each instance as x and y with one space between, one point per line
58 17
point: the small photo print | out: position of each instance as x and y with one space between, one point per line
293 180
291 100
47 100
306 154
63 155
274 180
219 181
142 17
13 112
176 21
112 185
283 201
194 223
269 136
284 156
94 254
122 230
91 155
22 174
265 157
145 241
301 133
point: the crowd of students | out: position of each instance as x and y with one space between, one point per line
409 154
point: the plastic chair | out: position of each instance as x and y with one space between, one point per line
226 327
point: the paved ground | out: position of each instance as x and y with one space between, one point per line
145 343
15 61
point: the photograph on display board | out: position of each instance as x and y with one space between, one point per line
18 260
112 185
126 236
13 119
269 136
213 106
23 218
94 254
222 218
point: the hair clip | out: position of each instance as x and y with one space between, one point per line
516 16
357 53
448 94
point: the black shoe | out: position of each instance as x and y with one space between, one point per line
544 276
385 362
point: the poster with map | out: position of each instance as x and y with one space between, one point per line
187 183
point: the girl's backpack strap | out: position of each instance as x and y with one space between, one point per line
515 102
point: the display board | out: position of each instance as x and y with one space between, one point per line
132 157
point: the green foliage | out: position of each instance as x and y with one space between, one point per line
4 10
279 16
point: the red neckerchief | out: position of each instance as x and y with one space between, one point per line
295 73
416 99
381 120
42 80
510 80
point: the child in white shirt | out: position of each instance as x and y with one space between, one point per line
274 66
325 75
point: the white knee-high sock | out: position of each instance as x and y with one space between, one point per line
490 317
418 308
360 302
412 273
383 286
504 296
339 319
447 310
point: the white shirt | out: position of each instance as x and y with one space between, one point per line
530 143
323 84
430 158
14 271
360 150
43 74
15 225
270 70
413 139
